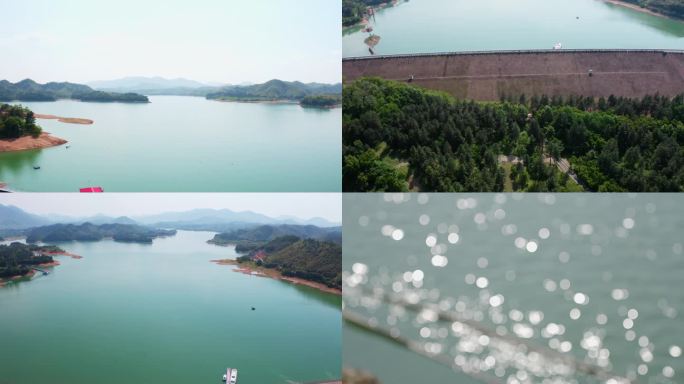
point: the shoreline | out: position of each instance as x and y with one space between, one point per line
638 8
45 140
364 20
278 101
69 120
32 272
67 254
253 270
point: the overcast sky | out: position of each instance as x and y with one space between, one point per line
301 205
227 41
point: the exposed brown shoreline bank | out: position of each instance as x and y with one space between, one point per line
45 140
254 270
70 120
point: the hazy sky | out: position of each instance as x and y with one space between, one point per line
301 205
226 41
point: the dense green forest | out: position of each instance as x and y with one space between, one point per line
672 8
321 101
274 90
91 232
354 10
314 260
29 90
16 259
398 137
247 239
17 121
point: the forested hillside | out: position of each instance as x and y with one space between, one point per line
309 259
17 121
29 90
672 8
16 259
398 137
354 10
247 239
92 232
275 90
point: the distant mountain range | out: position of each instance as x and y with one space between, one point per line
156 86
271 90
141 82
12 217
219 220
29 90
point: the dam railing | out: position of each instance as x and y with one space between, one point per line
512 52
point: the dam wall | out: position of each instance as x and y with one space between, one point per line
489 75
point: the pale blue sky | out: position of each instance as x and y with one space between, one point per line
301 205
226 41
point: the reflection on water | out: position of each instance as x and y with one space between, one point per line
19 162
520 288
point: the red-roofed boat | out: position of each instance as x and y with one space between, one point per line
91 189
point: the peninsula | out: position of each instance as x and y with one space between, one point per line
19 260
69 120
312 256
19 131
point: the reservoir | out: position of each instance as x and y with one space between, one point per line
163 313
424 26
182 144
594 277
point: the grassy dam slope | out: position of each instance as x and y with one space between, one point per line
493 74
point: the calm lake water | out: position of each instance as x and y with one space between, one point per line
421 26
162 313
606 269
183 144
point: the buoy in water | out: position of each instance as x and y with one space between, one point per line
253 308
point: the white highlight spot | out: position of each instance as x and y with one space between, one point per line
397 234
544 233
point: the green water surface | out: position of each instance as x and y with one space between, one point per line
162 313
422 26
182 144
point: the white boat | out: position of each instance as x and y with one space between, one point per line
230 377
557 46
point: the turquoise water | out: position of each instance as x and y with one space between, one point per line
421 26
595 245
162 313
182 144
